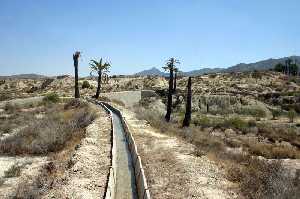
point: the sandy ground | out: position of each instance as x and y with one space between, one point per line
87 178
30 170
171 168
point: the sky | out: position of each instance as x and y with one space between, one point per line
40 36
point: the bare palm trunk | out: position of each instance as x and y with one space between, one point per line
75 59
175 79
169 103
188 110
99 84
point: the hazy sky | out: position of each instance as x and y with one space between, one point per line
39 36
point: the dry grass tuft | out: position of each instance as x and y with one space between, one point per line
13 171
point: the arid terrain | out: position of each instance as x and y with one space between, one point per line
243 142
52 147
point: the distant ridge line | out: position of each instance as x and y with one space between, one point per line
242 67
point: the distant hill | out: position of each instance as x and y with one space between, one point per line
202 71
24 76
156 72
152 72
242 67
261 65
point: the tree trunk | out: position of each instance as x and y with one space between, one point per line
77 95
188 109
169 103
99 84
174 87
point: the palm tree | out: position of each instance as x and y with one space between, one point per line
188 109
170 66
76 56
101 68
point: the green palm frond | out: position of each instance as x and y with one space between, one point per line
99 66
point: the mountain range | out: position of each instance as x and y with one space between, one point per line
242 67
24 76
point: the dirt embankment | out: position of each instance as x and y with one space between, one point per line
171 168
87 176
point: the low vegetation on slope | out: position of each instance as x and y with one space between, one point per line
228 141
48 131
52 130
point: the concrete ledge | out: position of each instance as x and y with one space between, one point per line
141 181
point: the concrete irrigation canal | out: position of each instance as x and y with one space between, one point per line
126 178
125 186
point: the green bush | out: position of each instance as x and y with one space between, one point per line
85 84
236 123
275 113
254 111
252 123
291 115
203 121
51 98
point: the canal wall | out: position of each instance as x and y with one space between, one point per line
140 178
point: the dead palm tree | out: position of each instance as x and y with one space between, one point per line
76 56
188 109
101 68
170 66
175 79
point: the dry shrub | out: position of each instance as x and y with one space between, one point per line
261 179
151 116
103 98
280 134
234 173
13 171
118 102
74 103
31 188
258 178
48 134
4 96
273 151
11 108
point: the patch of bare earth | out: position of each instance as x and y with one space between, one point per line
171 168
88 169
